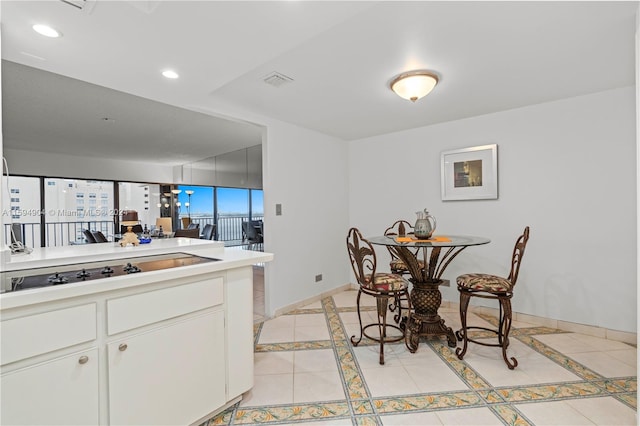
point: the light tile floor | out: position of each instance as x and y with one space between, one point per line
307 371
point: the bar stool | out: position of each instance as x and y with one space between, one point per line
491 287
382 286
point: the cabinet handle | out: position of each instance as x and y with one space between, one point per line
122 347
83 359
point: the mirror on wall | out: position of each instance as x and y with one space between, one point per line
237 169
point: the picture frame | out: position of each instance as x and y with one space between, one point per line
469 173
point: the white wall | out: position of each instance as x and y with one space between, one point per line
566 168
306 172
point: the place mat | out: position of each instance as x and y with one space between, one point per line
433 239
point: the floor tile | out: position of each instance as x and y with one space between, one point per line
565 342
317 386
604 364
605 411
314 361
469 416
533 367
273 363
310 320
304 334
389 381
601 344
628 356
283 321
368 356
276 335
269 389
553 413
413 419
346 298
435 377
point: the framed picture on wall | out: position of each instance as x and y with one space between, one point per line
469 173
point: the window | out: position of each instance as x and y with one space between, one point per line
24 210
67 213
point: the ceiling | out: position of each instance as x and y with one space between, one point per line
490 56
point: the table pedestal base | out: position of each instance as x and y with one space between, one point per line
424 320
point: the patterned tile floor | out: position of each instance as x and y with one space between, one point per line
307 371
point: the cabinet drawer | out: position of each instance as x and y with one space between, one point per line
126 313
41 333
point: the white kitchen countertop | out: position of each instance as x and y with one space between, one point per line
64 255
68 255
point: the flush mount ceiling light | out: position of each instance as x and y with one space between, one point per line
46 31
170 74
414 85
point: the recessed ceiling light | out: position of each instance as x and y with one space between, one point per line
46 31
170 74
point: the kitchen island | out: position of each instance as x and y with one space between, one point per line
172 345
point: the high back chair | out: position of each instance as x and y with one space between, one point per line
382 286
99 237
492 287
250 235
208 232
400 228
88 236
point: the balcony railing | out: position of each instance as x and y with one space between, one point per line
229 229
58 233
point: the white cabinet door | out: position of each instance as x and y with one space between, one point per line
171 375
63 391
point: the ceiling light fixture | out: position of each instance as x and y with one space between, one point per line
414 85
170 74
46 31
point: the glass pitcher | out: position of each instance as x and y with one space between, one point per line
425 225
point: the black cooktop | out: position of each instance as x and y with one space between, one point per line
80 272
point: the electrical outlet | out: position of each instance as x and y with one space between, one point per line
318 277
278 209
445 283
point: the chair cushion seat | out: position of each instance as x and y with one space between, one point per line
484 282
386 282
399 265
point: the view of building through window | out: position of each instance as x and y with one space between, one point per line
68 207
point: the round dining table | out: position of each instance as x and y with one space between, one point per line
425 297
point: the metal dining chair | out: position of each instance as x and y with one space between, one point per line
383 286
494 287
400 228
